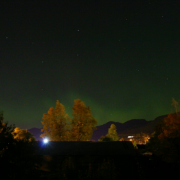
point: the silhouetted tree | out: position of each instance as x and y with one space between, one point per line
6 137
17 158
105 138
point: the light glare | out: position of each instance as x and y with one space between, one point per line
45 140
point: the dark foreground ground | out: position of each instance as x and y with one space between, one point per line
138 167
141 168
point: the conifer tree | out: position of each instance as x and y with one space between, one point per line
112 133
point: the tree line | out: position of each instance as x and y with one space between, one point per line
17 146
58 126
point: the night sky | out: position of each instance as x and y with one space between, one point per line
121 58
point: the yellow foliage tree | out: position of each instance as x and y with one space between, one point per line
165 142
23 134
171 128
112 133
83 123
56 124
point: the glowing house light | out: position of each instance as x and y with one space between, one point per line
130 136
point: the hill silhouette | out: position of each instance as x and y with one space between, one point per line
133 126
36 133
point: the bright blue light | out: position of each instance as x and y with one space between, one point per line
45 140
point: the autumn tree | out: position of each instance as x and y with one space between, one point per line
112 133
83 123
56 124
171 128
165 142
22 134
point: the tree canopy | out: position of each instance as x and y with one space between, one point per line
165 142
112 133
56 123
59 127
23 134
83 123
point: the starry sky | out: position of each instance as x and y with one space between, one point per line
119 57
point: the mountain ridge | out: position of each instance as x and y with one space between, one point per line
133 126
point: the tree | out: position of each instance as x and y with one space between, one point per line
165 142
16 157
171 128
56 124
134 143
6 137
83 123
112 133
105 138
22 134
175 104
